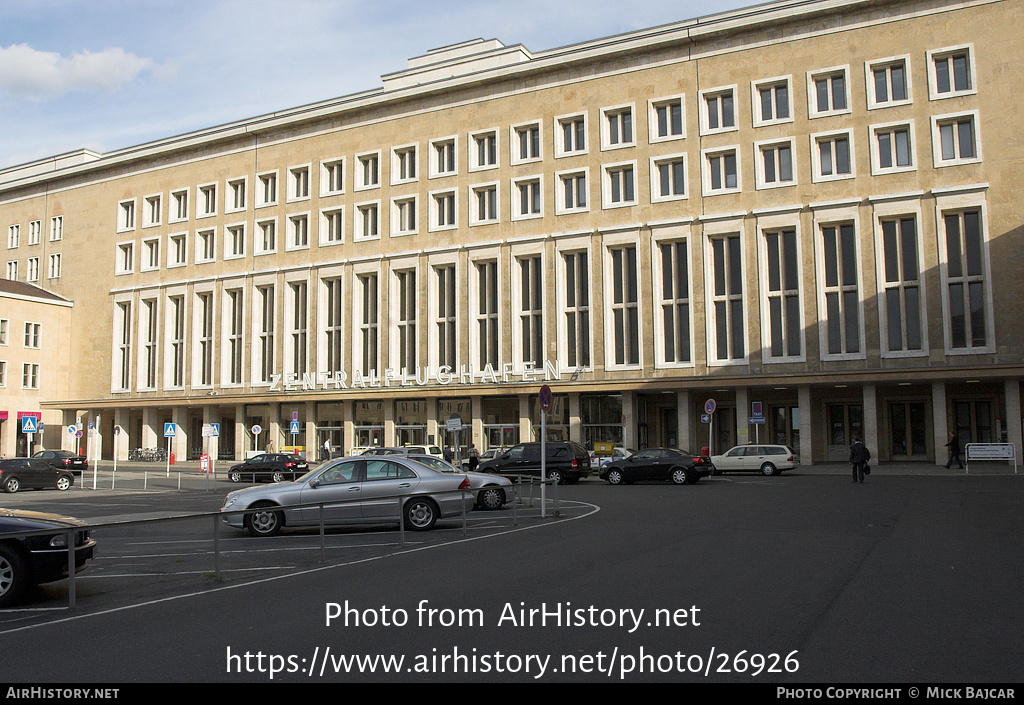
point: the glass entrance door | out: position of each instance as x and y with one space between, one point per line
908 426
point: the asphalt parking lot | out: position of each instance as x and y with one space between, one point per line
912 576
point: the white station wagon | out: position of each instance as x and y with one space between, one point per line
756 457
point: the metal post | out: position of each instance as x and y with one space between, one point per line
216 549
71 569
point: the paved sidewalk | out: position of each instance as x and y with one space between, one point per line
920 468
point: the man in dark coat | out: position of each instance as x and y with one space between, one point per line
859 457
954 450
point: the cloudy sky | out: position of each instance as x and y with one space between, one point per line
108 74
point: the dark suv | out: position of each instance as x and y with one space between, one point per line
566 462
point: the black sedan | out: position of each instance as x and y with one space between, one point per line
275 467
672 464
22 473
63 460
41 558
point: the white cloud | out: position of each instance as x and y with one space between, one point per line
40 75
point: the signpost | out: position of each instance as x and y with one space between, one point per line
169 432
709 414
756 418
454 425
28 427
545 407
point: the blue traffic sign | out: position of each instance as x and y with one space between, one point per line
710 406
169 430
545 398
28 424
294 427
705 418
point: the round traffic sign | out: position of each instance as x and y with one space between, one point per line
545 398
72 429
710 406
256 429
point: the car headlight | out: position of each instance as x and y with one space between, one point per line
228 501
59 541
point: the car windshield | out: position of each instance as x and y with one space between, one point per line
434 463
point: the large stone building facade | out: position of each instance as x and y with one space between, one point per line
807 208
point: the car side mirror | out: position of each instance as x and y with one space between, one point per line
315 482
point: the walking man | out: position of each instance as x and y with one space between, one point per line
954 450
859 457
474 457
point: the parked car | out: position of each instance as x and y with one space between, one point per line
486 455
566 461
31 560
64 460
276 467
757 457
30 473
679 466
599 461
360 490
405 450
492 491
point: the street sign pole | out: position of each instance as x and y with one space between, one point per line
545 405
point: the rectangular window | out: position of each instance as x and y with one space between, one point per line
56 228
668 178
203 318
675 302
531 311
403 216
332 226
446 319
956 139
828 93
776 164
29 375
266 233
576 312
12 270
719 110
266 190
620 185
33 333
54 270
782 293
125 258
618 128
332 177
527 195
206 245
625 306
150 254
444 210
833 156
403 164
32 273
207 201
442 154
951 72
405 299
123 331
179 204
151 214
721 172
771 102
336 303
573 187
888 83
177 250
729 329
13 236
667 119
35 228
525 143
234 241
4 323
298 232
176 341
266 312
571 136
893 148
298 183
148 334
902 283
126 216
368 221
965 280
3 373
236 195
368 174
368 324
235 326
487 314
841 291
484 207
299 333
484 150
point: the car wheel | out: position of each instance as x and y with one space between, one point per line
680 476
491 498
420 514
235 476
264 521
278 476
14 575
12 485
556 476
615 477
769 469
64 482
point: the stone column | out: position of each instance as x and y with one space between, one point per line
684 420
1014 432
806 449
940 422
871 421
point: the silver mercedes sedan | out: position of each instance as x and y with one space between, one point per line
492 491
359 490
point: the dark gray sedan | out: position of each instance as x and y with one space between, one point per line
359 490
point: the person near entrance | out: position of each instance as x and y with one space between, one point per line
954 450
859 457
327 449
474 457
